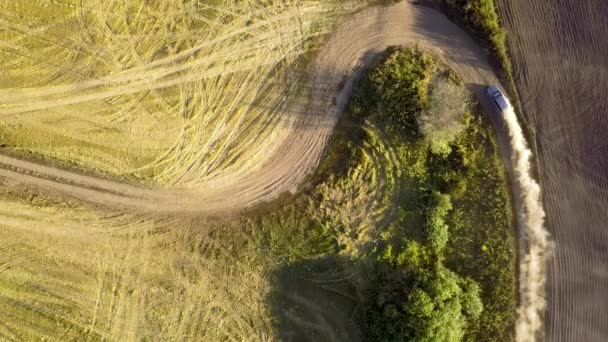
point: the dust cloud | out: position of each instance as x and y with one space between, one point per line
536 238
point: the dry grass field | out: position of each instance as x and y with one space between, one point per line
171 92
69 274
559 54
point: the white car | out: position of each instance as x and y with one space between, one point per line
498 98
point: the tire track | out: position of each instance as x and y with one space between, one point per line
222 55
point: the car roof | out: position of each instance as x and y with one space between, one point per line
492 90
498 97
501 102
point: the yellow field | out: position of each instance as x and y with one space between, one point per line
170 91
69 274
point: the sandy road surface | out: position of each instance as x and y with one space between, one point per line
309 127
560 53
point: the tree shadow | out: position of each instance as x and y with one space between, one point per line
315 300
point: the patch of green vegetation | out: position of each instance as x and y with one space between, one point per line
488 253
304 239
413 296
399 87
415 244
481 14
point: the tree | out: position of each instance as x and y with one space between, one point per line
441 306
441 122
420 304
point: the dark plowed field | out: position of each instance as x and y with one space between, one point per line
560 53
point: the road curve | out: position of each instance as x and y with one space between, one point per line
307 126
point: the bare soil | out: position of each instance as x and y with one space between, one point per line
560 55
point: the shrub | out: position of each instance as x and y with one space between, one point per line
414 256
441 122
397 89
437 229
471 301
446 170
441 306
401 85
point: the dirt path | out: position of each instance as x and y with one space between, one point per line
560 56
306 131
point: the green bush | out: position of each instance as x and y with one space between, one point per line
437 229
441 122
439 308
446 170
291 236
396 89
471 301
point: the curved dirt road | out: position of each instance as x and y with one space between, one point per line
307 126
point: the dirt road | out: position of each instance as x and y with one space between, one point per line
560 54
308 124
